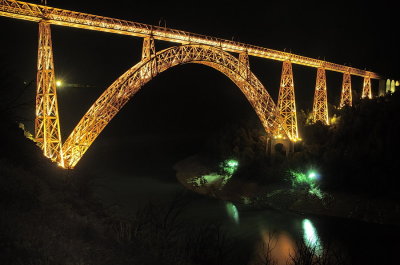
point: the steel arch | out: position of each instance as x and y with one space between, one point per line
125 87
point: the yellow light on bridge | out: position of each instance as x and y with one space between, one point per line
334 120
203 49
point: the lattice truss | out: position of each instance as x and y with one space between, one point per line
62 17
196 48
126 86
287 102
47 124
367 92
346 95
320 107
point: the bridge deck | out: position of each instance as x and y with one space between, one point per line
62 17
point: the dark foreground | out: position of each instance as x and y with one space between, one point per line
50 216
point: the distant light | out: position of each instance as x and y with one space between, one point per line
230 166
334 119
393 86
233 163
59 83
312 175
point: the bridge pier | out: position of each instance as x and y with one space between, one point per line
390 86
206 50
287 102
367 91
346 95
320 107
47 124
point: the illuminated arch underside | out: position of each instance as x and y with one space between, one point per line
126 86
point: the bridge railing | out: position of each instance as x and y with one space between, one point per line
62 17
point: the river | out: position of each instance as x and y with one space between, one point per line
252 230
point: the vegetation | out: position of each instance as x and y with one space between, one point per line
356 153
49 216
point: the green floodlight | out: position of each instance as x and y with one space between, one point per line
312 175
230 166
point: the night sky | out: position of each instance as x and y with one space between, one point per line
173 114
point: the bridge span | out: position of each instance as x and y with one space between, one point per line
279 120
62 17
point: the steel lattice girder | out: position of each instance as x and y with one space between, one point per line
367 91
244 64
125 87
47 124
62 17
346 95
320 107
287 102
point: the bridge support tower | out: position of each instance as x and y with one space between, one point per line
287 103
47 124
367 91
320 107
346 96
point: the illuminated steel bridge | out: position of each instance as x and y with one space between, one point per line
279 120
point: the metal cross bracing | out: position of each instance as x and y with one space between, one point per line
62 17
367 91
196 48
287 102
244 65
126 86
320 107
47 124
346 95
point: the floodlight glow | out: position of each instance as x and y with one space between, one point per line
59 83
230 166
212 178
309 181
232 163
312 175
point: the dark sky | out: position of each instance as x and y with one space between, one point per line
183 105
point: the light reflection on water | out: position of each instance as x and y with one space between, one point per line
275 247
311 238
280 246
251 228
232 211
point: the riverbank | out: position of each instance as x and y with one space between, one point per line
252 196
334 204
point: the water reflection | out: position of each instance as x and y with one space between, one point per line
274 248
232 211
281 246
311 238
